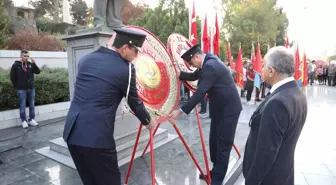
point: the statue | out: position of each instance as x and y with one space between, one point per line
109 9
66 12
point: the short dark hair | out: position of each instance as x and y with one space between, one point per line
313 61
24 51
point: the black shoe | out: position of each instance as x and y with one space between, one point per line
202 178
0 162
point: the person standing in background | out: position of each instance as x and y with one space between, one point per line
22 77
325 74
242 91
311 72
250 74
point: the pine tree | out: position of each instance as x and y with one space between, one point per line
3 26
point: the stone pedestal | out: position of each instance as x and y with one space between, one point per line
126 126
82 43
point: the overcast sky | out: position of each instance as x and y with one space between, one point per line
311 21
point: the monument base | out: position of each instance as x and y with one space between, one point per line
58 150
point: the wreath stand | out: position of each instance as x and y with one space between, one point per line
151 145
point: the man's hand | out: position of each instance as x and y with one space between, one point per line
32 60
175 114
152 124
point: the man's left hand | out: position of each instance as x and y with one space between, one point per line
175 114
32 60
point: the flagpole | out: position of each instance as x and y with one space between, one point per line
190 12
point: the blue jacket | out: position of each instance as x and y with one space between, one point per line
215 79
101 83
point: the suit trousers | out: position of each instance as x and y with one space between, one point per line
222 133
109 8
96 166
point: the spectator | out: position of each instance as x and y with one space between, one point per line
250 74
22 77
242 91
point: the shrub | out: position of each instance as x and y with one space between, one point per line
50 26
51 86
33 42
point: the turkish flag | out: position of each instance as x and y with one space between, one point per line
297 74
193 33
216 38
205 37
287 42
239 69
305 70
230 55
258 62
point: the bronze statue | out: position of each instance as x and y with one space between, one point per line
109 9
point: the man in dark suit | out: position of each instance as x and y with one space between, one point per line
104 77
276 124
215 79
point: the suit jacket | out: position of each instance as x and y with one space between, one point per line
101 83
215 79
275 128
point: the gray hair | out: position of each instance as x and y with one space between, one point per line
282 60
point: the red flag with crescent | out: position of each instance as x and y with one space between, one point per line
239 69
193 33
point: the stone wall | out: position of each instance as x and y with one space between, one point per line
51 59
11 118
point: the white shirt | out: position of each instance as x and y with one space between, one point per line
203 61
280 83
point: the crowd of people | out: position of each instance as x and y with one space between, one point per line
324 74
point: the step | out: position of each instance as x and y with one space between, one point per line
124 148
58 149
234 171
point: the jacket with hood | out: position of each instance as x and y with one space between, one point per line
22 76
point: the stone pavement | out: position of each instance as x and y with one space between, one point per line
315 156
23 166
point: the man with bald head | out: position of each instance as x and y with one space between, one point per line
276 124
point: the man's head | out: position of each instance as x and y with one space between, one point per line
128 43
24 55
278 65
194 56
313 61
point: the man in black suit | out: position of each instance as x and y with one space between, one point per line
276 124
104 77
215 79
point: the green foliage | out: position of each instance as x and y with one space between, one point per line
3 26
47 7
80 12
249 21
51 86
170 16
50 26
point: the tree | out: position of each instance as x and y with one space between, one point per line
170 16
3 26
47 7
248 21
131 11
79 11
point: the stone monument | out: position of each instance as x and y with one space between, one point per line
126 125
109 9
